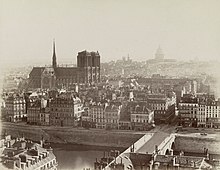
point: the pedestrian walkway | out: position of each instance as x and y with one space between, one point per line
156 139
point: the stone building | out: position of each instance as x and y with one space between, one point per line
65 110
21 154
208 112
163 107
160 57
33 112
38 112
188 108
168 162
200 111
55 76
141 116
97 115
15 109
112 116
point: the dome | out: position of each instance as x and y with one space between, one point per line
159 54
159 50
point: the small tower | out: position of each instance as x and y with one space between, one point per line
159 55
54 62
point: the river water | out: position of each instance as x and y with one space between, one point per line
78 157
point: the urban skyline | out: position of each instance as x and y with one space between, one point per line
185 30
114 85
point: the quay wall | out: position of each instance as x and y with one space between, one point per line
70 135
197 144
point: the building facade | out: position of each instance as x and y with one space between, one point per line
200 112
65 110
33 112
38 112
163 107
188 110
97 115
208 114
141 116
15 109
112 116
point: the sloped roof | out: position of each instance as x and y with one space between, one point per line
112 108
164 158
36 71
138 159
66 71
184 161
189 161
139 107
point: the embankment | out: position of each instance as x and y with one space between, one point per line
198 143
70 135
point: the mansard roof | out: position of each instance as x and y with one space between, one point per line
138 107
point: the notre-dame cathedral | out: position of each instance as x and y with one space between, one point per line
86 72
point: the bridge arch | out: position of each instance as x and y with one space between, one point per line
173 146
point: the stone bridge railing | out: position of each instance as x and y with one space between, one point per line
134 147
166 144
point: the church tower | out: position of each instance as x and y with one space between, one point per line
89 62
54 62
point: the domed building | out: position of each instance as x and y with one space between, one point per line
159 55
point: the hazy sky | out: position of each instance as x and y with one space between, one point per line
185 29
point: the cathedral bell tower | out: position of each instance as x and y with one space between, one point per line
89 62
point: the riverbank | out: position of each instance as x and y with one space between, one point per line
81 147
69 135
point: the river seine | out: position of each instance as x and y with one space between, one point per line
77 157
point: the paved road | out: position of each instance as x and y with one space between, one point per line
160 133
159 136
156 139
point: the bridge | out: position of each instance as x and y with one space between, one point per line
159 142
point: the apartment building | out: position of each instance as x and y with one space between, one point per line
112 116
15 109
65 110
97 115
188 110
141 115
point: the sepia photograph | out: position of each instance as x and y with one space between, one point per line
109 85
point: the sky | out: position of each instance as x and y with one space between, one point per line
185 29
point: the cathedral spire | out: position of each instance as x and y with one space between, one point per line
54 64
